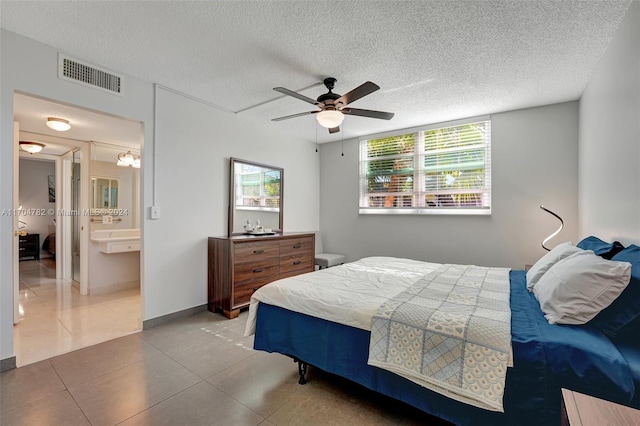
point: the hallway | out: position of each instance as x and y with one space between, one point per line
56 319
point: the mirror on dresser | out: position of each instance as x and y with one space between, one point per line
255 194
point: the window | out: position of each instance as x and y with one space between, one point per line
443 170
257 188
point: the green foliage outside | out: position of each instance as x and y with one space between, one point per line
452 163
260 189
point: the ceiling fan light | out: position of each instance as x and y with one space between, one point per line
330 118
121 163
58 124
31 147
136 162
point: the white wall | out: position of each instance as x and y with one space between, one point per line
34 197
610 139
534 161
194 144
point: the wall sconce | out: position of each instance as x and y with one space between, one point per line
128 160
58 124
31 147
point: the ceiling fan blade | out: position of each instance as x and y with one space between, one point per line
300 114
334 129
368 113
295 95
357 93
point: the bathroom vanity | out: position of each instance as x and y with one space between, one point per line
238 265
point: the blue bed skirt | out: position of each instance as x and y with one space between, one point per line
546 358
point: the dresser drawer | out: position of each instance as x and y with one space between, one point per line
257 270
295 265
292 246
242 292
30 247
255 251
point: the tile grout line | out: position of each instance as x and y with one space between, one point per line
66 388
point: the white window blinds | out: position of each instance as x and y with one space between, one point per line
257 188
437 170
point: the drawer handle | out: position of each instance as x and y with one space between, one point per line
258 251
297 262
297 246
258 270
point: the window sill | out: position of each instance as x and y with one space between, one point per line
427 212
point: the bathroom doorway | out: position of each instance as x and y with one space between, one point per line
58 308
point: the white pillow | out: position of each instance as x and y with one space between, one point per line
557 253
578 287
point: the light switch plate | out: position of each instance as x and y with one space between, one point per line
155 212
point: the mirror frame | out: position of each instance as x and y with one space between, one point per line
232 186
94 181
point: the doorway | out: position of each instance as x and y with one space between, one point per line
57 310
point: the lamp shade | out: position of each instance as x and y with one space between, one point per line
59 124
127 158
31 147
330 118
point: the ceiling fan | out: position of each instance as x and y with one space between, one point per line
333 106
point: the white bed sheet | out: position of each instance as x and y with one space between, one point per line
348 294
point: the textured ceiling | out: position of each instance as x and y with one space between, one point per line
434 60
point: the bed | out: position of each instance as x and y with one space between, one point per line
334 335
49 244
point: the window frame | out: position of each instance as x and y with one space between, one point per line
419 172
262 196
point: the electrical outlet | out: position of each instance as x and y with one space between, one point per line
107 219
155 212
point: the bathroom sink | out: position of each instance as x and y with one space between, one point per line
117 240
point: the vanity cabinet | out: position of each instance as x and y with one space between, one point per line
241 264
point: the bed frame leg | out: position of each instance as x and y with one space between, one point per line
302 371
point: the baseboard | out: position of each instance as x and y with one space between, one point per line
153 322
7 364
111 288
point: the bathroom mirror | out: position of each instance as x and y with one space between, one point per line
104 193
255 194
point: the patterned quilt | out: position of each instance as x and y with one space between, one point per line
449 332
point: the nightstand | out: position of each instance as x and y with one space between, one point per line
29 246
584 410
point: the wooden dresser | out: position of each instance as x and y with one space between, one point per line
29 246
241 264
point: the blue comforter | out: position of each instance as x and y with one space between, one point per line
546 358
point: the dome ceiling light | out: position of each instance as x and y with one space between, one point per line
31 147
58 124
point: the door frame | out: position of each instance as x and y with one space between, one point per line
15 222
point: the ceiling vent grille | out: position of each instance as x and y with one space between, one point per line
89 75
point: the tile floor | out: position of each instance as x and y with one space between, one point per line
55 318
199 370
